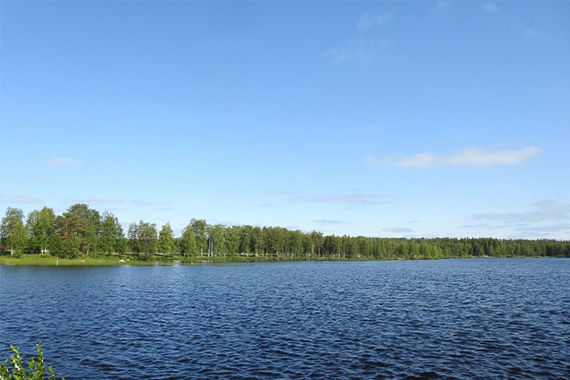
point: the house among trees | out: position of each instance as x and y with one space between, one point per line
6 251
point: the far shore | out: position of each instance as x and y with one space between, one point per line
44 260
156 260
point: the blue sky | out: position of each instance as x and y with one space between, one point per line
374 118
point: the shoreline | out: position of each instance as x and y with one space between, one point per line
30 260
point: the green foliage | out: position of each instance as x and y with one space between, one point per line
56 244
245 239
71 247
231 240
199 228
188 241
166 240
13 234
82 222
13 369
83 231
143 239
256 242
41 230
111 237
317 241
216 234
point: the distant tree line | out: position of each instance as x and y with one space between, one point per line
84 231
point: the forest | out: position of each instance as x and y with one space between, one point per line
81 230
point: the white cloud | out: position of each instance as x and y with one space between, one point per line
483 226
56 161
103 201
350 198
20 199
372 19
480 157
516 23
223 222
358 50
547 218
34 179
329 222
340 198
545 229
519 25
398 230
443 5
530 33
362 50
490 8
141 203
545 210
93 201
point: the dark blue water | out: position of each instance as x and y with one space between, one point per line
496 318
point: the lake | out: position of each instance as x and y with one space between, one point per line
478 318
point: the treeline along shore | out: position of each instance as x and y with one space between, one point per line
85 232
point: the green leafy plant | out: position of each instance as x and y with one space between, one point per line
13 369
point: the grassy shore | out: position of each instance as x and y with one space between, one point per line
81 261
117 261
179 260
153 261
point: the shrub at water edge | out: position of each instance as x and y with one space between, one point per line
19 372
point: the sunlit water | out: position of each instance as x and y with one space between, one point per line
495 318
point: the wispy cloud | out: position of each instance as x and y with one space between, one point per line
104 201
34 179
19 199
479 157
523 28
545 229
546 218
111 201
358 50
338 198
545 210
56 161
141 203
490 8
482 226
93 201
443 4
516 23
349 198
398 230
329 222
223 222
371 20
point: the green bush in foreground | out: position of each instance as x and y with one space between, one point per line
19 372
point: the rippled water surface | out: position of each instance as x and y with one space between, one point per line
496 318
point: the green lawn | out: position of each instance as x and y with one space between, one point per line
116 261
81 261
